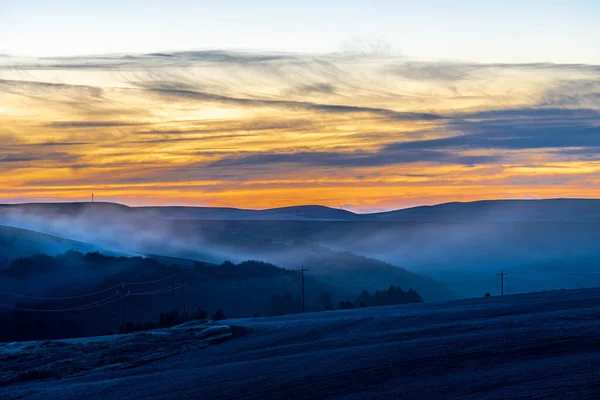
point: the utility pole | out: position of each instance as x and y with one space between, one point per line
502 275
303 288
302 271
92 197
183 301
173 292
123 305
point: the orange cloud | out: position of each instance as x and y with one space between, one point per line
263 132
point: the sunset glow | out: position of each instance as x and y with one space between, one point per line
363 127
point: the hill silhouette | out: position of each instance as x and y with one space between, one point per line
309 212
545 210
84 287
17 243
132 231
558 210
542 244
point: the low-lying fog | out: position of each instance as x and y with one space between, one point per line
536 252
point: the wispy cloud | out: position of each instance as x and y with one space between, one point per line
293 105
43 158
89 124
385 157
319 88
301 126
517 129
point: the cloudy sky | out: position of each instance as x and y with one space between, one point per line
261 104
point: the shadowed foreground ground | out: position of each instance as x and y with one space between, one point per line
543 345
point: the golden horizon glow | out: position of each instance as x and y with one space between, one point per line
250 131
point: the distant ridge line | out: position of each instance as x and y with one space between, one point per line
96 203
504 210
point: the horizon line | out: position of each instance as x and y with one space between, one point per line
304 205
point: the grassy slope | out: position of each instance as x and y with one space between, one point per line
538 345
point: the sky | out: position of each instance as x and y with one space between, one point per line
482 31
363 105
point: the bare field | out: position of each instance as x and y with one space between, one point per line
539 345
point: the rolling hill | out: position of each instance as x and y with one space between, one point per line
546 210
136 231
75 294
16 243
306 213
541 244
537 345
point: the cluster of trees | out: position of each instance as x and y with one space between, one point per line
288 304
244 289
282 304
394 295
250 269
75 263
169 319
345 305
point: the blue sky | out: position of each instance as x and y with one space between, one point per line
480 31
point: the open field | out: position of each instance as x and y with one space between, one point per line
539 345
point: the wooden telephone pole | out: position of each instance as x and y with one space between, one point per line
184 310
122 305
173 293
502 275
302 271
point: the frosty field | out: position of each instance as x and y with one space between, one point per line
542 345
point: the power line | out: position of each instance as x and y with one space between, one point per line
99 303
123 303
183 298
119 295
86 294
108 300
60 298
159 291
148 282
173 292
95 304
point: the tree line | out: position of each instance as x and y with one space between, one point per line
170 319
250 288
286 303
282 304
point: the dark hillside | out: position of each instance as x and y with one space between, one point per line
17 243
88 289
